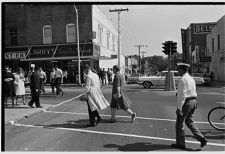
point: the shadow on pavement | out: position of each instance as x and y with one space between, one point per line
211 134
141 146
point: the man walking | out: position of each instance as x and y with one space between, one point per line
186 105
58 80
35 88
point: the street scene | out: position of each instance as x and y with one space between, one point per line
83 77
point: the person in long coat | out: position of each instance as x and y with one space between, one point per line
19 85
94 97
35 88
120 100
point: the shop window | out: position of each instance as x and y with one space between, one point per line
100 32
47 34
13 36
70 33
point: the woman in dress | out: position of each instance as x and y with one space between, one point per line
119 101
19 85
94 97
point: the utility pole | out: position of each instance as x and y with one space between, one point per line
118 11
139 50
78 45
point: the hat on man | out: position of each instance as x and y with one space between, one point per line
183 65
32 65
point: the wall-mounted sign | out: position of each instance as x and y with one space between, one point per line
203 28
42 51
15 55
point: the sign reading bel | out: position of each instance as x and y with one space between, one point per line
203 28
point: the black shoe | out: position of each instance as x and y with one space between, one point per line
98 120
113 120
39 107
30 105
177 146
62 92
91 125
203 143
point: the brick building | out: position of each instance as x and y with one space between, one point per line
45 35
194 46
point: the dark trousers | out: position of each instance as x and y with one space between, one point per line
187 117
58 83
34 98
92 114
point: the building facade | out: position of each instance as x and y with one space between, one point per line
194 46
45 35
216 48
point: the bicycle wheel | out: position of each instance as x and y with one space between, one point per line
216 118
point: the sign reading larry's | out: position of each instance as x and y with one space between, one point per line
42 51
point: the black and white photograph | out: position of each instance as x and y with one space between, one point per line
112 76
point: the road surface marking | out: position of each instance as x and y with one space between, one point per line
211 93
67 101
117 134
143 118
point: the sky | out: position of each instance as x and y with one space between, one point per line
152 25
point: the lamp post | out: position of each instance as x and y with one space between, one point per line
78 45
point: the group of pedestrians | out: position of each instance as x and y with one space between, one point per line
186 102
106 77
96 100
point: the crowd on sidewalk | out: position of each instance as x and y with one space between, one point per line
15 83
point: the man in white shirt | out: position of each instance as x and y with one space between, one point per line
186 105
58 80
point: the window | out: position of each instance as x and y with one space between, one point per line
47 34
113 42
13 36
218 39
108 36
70 33
213 45
100 31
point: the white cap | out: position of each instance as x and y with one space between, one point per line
32 65
183 64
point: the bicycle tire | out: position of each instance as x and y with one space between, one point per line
210 117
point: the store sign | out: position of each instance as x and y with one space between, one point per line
15 55
205 59
42 51
203 28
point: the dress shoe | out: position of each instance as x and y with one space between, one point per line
91 125
203 143
30 105
98 120
39 107
177 146
133 116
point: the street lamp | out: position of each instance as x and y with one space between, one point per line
78 45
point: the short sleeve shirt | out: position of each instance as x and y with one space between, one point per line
117 82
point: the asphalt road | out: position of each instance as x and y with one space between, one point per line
63 127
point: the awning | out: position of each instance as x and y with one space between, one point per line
53 52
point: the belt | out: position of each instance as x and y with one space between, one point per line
190 98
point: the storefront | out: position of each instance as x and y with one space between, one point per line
47 56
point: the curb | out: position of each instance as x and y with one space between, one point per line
27 116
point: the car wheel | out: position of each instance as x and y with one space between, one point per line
147 84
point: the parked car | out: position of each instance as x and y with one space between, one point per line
205 78
159 79
133 78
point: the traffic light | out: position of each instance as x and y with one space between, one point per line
173 47
166 47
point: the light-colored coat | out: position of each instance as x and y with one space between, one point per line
93 92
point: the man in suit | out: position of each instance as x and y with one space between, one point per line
35 88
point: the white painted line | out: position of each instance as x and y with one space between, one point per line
67 101
143 118
117 134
